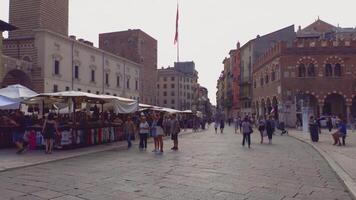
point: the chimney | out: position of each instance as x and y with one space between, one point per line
73 37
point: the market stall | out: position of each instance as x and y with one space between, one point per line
83 119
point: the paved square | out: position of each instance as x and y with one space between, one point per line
208 166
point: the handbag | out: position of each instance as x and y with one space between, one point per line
251 130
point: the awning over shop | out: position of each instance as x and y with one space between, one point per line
120 105
8 104
17 92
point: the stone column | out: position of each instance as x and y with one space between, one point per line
348 114
321 109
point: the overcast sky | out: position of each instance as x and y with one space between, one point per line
208 28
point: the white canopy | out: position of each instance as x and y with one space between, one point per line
120 104
17 92
8 104
187 112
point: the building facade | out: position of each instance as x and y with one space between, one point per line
315 72
59 62
141 48
30 15
176 86
249 53
204 104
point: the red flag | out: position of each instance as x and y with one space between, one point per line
177 23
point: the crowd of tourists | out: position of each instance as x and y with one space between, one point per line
140 125
266 127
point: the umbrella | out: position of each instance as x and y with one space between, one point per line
8 104
17 92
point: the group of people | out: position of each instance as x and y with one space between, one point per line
339 136
266 127
144 125
168 126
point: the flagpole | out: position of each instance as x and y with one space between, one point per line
178 50
176 39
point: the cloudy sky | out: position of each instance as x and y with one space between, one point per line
208 28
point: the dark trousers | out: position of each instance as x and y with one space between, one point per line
143 140
343 140
246 137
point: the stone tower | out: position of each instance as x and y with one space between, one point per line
29 15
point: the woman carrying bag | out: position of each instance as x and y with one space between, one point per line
49 130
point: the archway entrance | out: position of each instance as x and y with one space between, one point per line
335 105
307 101
17 77
353 108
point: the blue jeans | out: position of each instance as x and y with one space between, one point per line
143 140
128 139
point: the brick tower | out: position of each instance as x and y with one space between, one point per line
38 14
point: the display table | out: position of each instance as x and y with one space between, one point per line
71 136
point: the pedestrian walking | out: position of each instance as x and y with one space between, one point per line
174 129
262 128
154 132
222 126
216 125
144 131
329 124
19 130
246 131
49 130
270 128
166 125
313 129
129 130
160 140
236 124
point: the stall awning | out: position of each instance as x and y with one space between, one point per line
120 104
8 104
17 92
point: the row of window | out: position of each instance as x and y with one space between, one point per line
56 89
266 79
329 70
304 71
181 79
174 86
92 76
188 95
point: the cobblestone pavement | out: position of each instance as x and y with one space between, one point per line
208 166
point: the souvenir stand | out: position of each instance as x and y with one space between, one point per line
10 100
78 130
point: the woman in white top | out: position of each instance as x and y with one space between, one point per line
144 130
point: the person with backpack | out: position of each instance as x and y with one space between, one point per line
174 130
270 128
262 128
246 128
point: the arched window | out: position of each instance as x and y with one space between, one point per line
273 76
311 70
261 81
328 70
27 58
337 70
266 78
301 70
